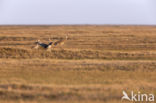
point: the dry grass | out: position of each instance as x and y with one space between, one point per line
19 53
94 66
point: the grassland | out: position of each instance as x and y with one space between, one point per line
94 65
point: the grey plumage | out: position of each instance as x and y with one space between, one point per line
49 45
43 45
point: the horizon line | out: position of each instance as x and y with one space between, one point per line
77 24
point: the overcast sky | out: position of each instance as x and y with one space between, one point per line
78 12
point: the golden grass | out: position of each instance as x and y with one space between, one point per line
94 66
19 53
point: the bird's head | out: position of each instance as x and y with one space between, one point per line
37 42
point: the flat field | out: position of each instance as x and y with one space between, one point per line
94 65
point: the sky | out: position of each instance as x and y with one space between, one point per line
52 12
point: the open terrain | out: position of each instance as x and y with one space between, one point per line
94 65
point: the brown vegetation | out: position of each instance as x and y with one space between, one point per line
94 65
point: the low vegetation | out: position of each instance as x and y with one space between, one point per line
94 65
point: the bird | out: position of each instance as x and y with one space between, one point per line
43 45
61 41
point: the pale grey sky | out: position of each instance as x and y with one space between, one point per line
78 12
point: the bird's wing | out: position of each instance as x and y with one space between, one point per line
50 43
